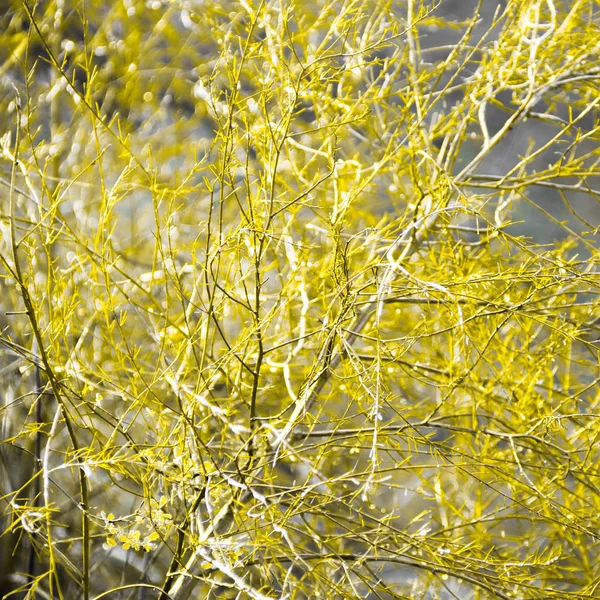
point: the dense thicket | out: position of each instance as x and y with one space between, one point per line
299 299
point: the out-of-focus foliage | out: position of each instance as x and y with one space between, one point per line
269 327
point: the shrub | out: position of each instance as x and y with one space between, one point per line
299 300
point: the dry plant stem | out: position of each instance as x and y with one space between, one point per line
32 315
302 341
184 571
178 554
38 450
47 502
